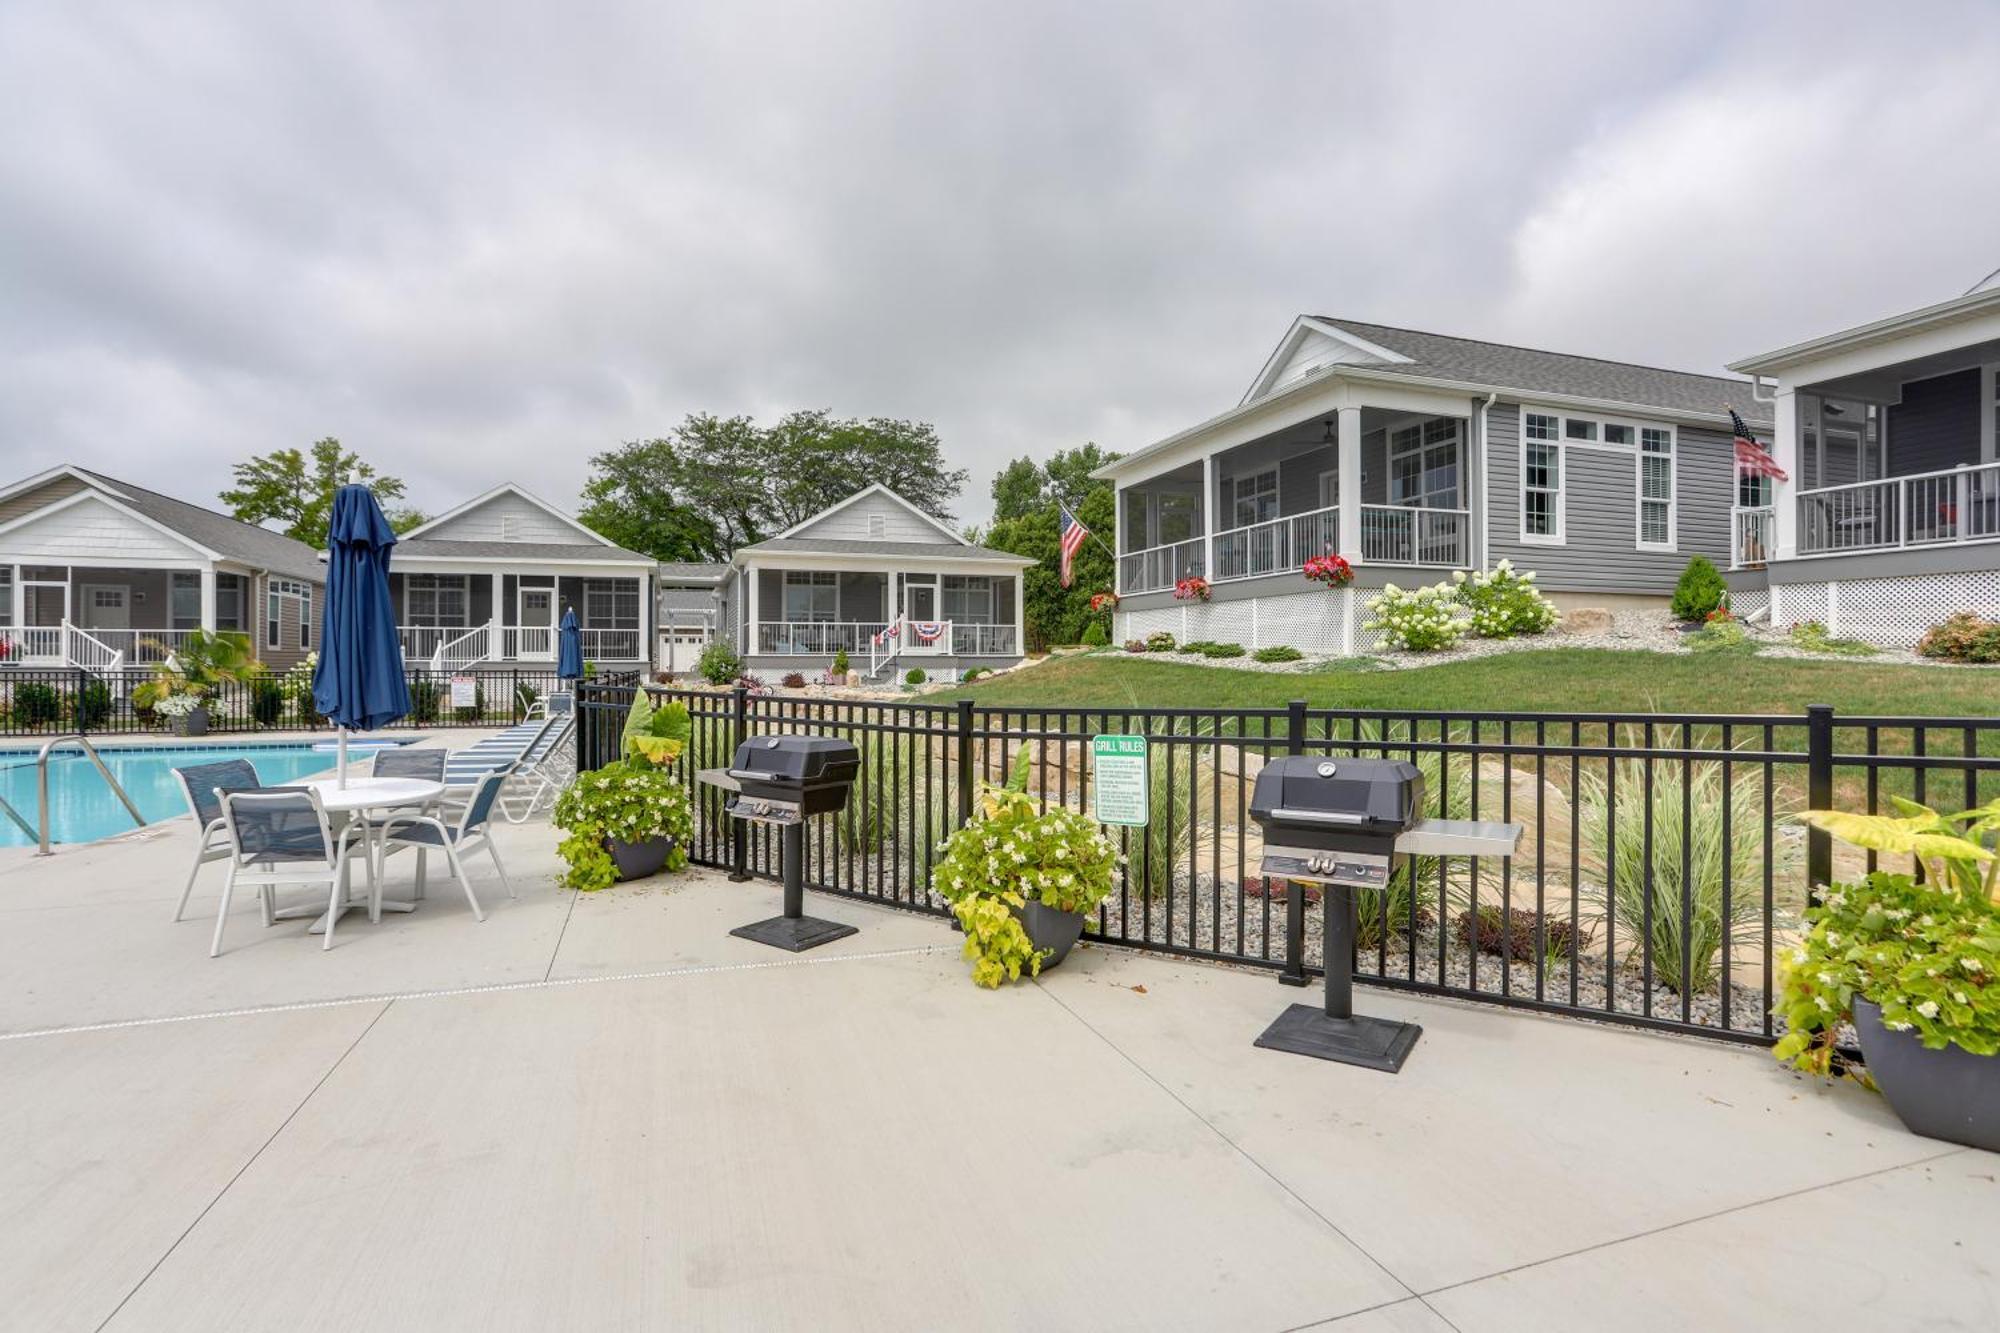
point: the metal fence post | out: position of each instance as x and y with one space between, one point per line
514 708
1819 796
964 763
1294 971
739 831
80 708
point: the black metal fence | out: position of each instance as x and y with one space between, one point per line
43 701
1659 875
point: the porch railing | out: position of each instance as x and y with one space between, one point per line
983 640
1157 568
1276 545
1925 509
509 643
1756 537
1399 535
815 638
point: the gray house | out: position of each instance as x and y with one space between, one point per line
879 579
1414 454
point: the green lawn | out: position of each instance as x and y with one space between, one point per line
1549 680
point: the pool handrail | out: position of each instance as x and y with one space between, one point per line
42 787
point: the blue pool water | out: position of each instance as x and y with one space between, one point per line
82 808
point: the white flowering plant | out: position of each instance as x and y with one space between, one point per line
177 706
1504 601
1012 852
1927 953
628 802
1418 620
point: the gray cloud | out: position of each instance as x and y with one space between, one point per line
485 241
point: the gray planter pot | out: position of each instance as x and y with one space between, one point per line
194 724
636 860
1049 929
1950 1094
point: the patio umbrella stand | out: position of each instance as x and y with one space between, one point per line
1348 824
783 781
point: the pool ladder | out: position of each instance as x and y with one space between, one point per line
40 831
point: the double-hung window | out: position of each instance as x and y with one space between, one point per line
1656 488
812 596
1541 479
276 593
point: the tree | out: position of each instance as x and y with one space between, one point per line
717 483
296 489
1025 495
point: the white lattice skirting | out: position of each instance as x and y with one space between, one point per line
1891 611
1322 622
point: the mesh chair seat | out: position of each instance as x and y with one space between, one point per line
203 779
428 834
427 763
281 825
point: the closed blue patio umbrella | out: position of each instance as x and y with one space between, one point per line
569 647
359 682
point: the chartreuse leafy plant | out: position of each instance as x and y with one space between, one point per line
635 798
1928 954
1012 852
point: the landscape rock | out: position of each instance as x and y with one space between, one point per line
1586 620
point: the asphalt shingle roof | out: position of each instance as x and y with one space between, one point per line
1503 367
855 546
229 537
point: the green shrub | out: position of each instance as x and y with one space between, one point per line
1684 815
1094 635
267 701
1196 646
91 705
793 681
1810 636
1700 590
915 676
719 664
1418 620
1222 650
1722 636
36 704
632 802
1278 652
424 696
1159 641
1502 603
1963 637
974 673
841 665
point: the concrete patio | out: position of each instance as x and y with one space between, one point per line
602 1111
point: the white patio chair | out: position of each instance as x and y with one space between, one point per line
198 785
470 832
280 837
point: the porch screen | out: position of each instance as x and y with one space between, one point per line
968 600
611 603
812 595
435 600
1423 465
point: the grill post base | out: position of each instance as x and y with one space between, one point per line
1371 1043
794 931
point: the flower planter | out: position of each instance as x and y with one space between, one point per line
1948 1094
636 860
1050 931
193 724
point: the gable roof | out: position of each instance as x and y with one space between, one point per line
230 538
511 488
877 489
953 550
1981 301
447 548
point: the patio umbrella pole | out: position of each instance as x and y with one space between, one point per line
341 767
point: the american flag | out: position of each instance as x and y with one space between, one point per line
1073 534
1752 457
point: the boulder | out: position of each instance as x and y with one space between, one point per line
1586 620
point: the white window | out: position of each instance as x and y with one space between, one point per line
878 526
435 600
276 593
1329 489
1579 428
1423 465
1618 433
612 603
968 600
1256 498
1656 488
1541 479
229 610
812 596
6 594
184 600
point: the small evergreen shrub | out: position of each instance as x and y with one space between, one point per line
1699 591
1222 650
719 663
1196 646
1159 641
424 694
1094 635
841 666
267 701
1277 652
91 705
915 676
36 704
1503 603
974 674
1963 637
1417 620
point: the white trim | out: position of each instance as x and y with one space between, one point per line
48 475
1561 490
1460 487
1945 312
106 498
1289 344
439 564
873 489
1989 410
1639 498
507 487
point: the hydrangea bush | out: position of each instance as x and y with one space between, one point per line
1504 602
1011 853
1418 620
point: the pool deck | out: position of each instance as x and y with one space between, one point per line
603 1111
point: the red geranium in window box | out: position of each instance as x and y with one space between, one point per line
1193 588
1332 570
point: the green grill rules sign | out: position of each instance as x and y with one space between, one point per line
1118 765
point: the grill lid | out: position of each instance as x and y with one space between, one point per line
1363 795
799 759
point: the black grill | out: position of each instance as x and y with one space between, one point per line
783 778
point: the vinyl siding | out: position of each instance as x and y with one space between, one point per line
1600 511
854 523
91 532
1936 426
27 502
507 517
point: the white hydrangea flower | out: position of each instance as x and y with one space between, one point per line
1929 1009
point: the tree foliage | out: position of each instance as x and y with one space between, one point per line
295 490
1026 522
717 483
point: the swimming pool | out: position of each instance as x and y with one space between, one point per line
82 808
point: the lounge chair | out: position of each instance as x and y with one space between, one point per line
543 772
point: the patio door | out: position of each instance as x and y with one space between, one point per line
536 615
920 607
106 606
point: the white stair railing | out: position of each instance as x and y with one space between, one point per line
92 654
883 647
475 645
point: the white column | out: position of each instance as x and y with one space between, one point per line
1208 516
750 609
207 598
1785 449
1020 617
17 614
646 595
1119 544
1348 480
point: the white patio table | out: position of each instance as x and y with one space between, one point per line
362 798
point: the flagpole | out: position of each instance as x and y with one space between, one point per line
1065 504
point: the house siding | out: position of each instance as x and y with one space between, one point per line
1600 552
92 532
853 523
56 488
506 518
1936 426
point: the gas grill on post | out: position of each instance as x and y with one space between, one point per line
786 780
1347 824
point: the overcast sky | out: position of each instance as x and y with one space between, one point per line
482 242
